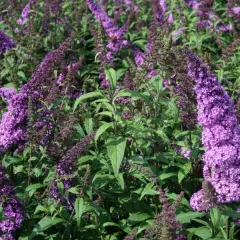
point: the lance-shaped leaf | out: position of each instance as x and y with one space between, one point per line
116 149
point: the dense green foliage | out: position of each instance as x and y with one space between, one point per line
135 151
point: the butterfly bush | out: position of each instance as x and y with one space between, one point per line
6 42
221 135
12 208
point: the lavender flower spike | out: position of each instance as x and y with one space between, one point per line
25 15
13 122
6 42
12 208
221 134
113 31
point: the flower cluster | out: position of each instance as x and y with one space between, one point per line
66 169
165 226
5 42
44 75
234 9
184 90
13 122
207 16
159 9
25 15
67 80
204 199
114 33
12 208
221 134
230 49
185 152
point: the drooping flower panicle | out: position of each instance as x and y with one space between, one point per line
221 133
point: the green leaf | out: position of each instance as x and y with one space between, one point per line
112 77
120 180
139 217
231 213
31 189
174 196
215 217
183 172
73 190
134 94
21 74
163 136
79 208
202 232
88 124
40 208
18 169
224 233
111 224
100 180
116 149
158 83
44 224
80 130
10 85
106 113
102 129
187 217
85 97
148 190
167 175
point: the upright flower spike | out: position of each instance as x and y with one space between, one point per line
25 15
6 42
44 75
13 122
159 9
13 125
114 33
12 208
67 80
221 135
66 169
165 226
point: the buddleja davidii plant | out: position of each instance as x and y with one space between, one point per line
116 147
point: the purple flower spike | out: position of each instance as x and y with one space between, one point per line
113 31
13 123
66 168
221 134
12 208
6 42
